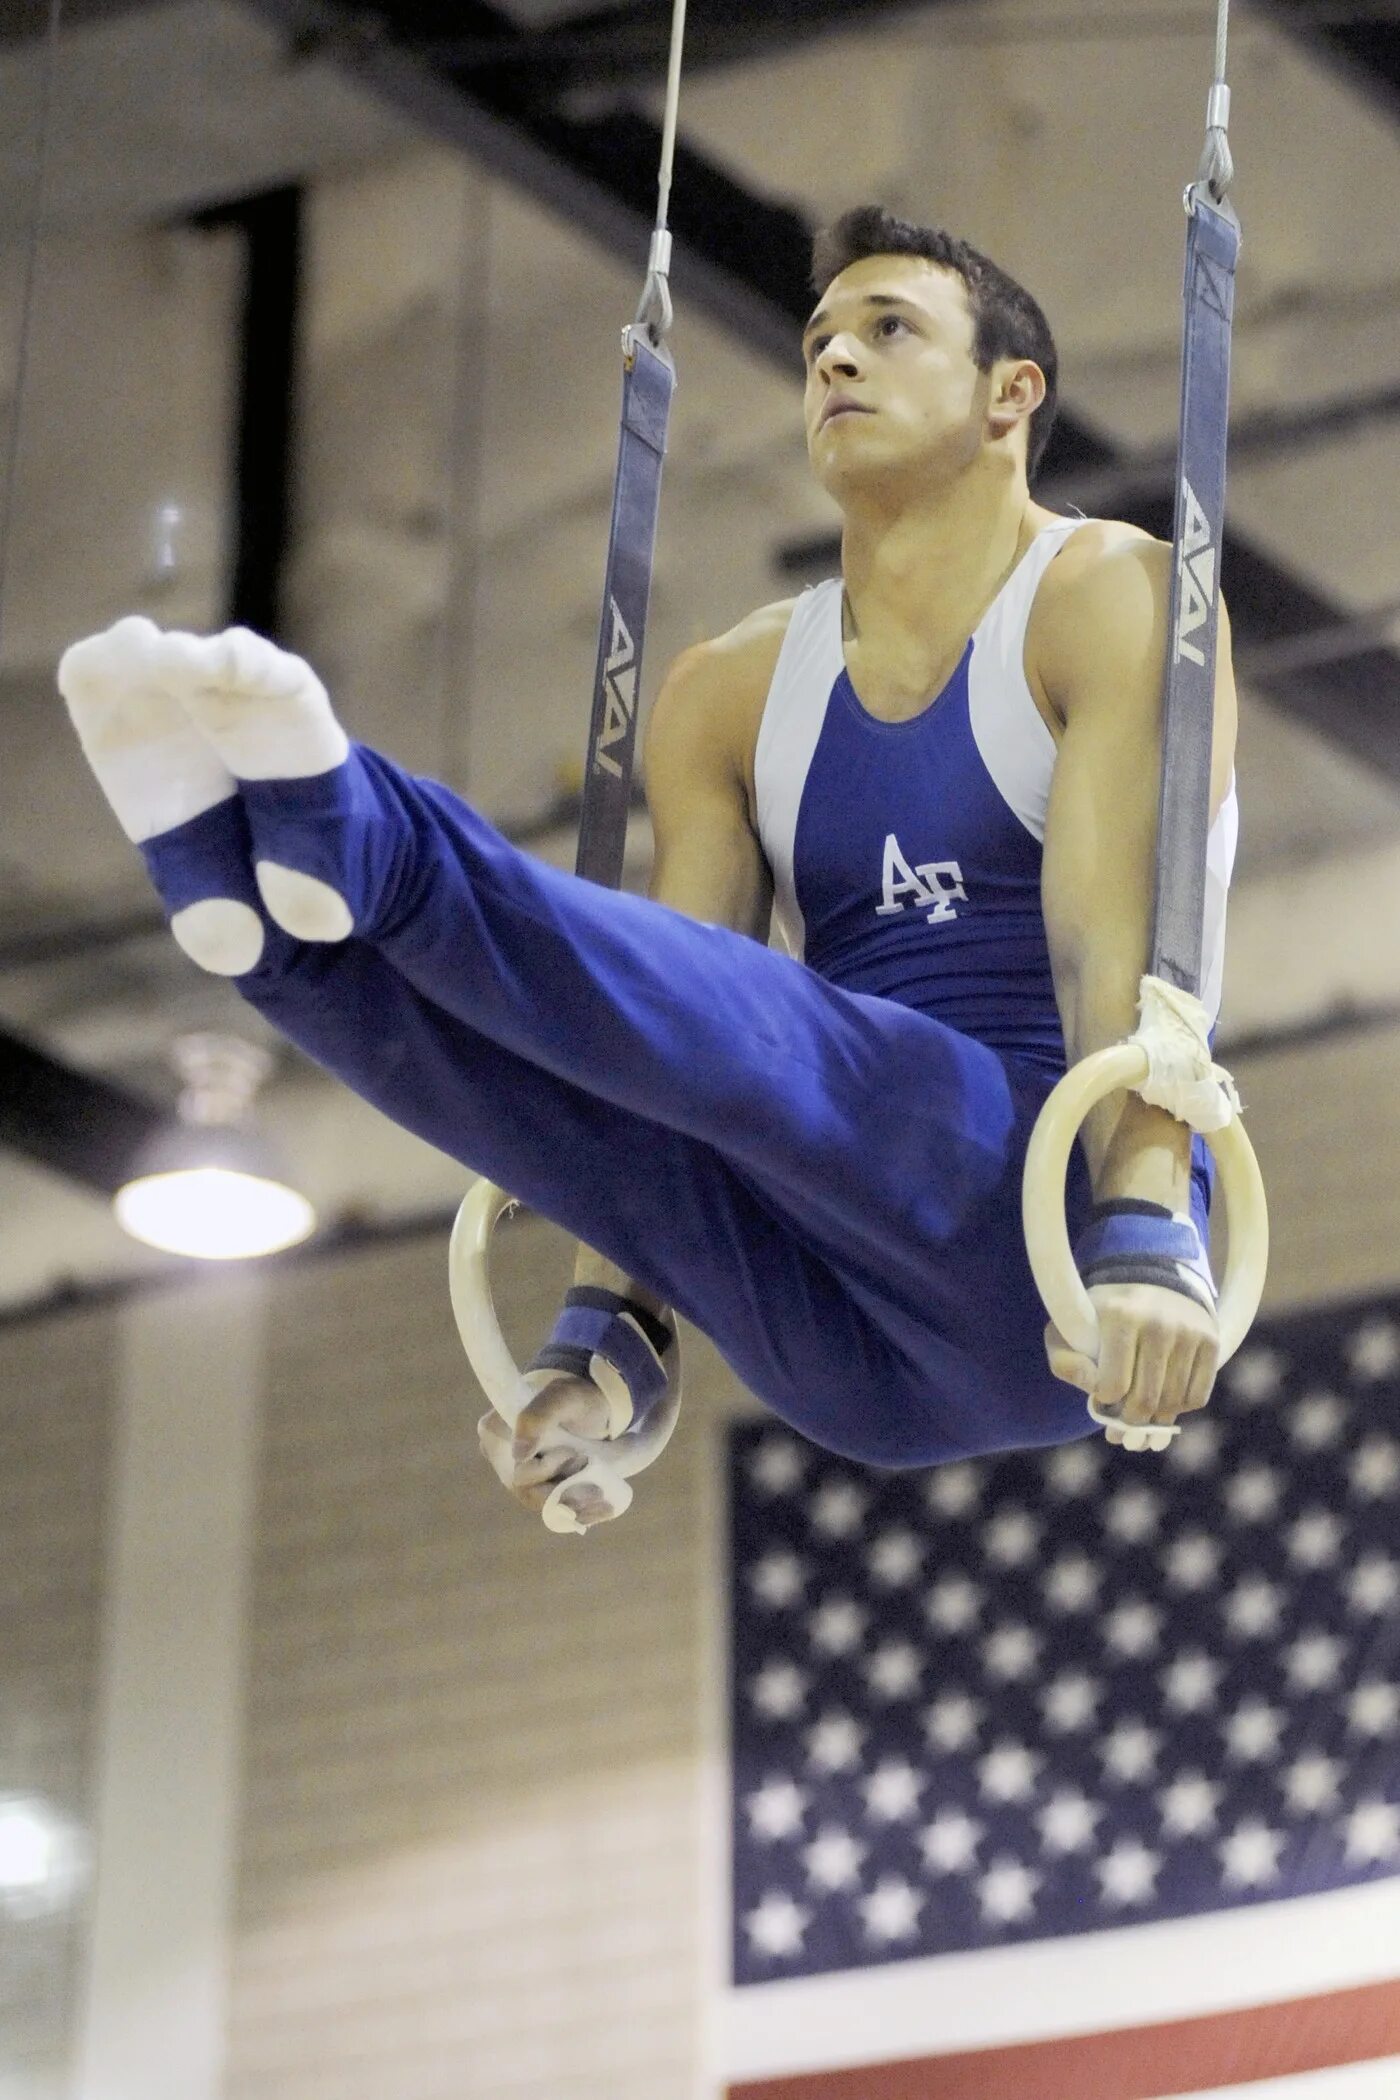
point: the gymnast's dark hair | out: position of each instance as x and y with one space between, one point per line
1006 320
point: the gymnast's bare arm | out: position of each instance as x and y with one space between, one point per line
698 763
1099 649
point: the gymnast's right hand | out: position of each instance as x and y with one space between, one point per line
529 1460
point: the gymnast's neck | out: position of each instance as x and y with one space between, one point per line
921 564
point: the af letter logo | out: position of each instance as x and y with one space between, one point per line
934 882
620 693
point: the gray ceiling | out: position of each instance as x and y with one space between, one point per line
1058 136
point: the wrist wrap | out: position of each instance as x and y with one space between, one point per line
1128 1240
614 1343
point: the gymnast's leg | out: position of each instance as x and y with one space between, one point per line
860 1112
874 1136
661 1204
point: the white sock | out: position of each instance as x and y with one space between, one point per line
221 935
303 905
263 710
151 763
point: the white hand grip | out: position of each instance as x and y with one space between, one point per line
609 1463
1124 1067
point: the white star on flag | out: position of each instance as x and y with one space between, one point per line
1189 1805
1189 1684
1074 1469
777 1926
1193 1561
953 1604
1197 1449
1010 1652
777 1465
1250 1856
776 1810
891 1910
777 1579
1068 1821
892 1791
894 1670
1318 1421
1007 1891
1375 1349
1133 1628
1373 1833
895 1559
1251 1733
834 1744
1374 1709
1128 1873
1254 1493
1252 1608
1010 1538
950 1842
952 1722
953 1490
1313 1783
1073 1583
838 1509
1008 1773
838 1625
1071 1702
1132 1515
1313 1660
834 1859
1374 1584
1255 1375
1375 1470
1315 1539
778 1690
1129 1751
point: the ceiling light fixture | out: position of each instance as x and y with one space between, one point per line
214 1190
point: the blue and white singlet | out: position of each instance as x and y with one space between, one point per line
906 856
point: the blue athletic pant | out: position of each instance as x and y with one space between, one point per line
826 1184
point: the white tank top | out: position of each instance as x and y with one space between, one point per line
906 856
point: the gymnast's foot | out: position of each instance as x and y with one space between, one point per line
170 792
265 716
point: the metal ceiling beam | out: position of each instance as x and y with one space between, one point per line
744 260
628 46
1366 48
72 1122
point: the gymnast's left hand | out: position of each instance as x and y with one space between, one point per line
522 1458
1159 1352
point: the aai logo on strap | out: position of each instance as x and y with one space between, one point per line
619 693
1196 568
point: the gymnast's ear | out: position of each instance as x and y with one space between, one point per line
1017 389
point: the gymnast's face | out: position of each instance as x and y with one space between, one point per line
893 392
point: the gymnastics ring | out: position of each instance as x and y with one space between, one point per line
608 1465
1124 1066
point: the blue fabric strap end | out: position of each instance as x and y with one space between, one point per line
1130 1241
600 1324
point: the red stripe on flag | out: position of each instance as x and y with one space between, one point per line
1137 2063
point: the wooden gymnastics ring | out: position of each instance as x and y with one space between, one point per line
1124 1067
608 1464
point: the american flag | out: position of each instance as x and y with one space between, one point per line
1076 1773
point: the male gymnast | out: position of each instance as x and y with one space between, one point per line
941 769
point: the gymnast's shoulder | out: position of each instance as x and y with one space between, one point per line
1101 612
718 687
